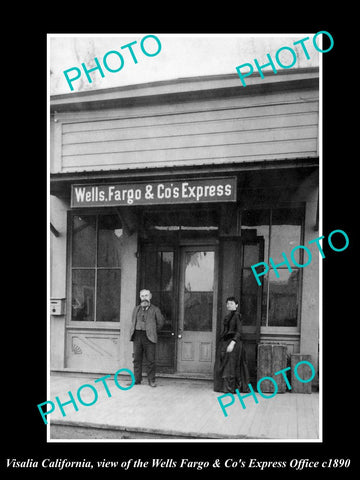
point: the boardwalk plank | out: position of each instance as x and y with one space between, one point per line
185 409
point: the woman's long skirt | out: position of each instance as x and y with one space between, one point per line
231 369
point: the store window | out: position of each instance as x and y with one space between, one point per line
96 268
269 233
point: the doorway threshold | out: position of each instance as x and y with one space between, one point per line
73 372
185 376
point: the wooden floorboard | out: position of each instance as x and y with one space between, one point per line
180 409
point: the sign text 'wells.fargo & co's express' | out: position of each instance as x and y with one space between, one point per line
152 193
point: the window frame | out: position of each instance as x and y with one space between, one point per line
94 324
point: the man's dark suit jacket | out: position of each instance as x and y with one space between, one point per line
154 322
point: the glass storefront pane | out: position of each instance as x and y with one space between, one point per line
255 223
110 239
286 235
108 295
264 282
83 240
96 286
283 298
82 296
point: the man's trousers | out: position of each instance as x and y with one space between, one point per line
143 347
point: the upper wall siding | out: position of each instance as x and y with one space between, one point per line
237 129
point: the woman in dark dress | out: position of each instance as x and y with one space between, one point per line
230 370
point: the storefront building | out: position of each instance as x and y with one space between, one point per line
179 187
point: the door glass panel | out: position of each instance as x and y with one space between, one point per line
166 274
199 271
151 276
166 306
158 277
198 291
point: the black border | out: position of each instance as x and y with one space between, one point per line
25 377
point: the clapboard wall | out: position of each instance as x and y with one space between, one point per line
223 129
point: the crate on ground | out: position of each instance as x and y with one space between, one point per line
271 358
303 371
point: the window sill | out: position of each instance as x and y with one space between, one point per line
280 330
93 325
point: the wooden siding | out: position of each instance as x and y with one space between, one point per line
232 129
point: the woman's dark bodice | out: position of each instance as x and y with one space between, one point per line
232 327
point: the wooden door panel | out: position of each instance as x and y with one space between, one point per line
165 352
187 351
197 307
205 349
196 353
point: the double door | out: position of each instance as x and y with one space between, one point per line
183 282
190 284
